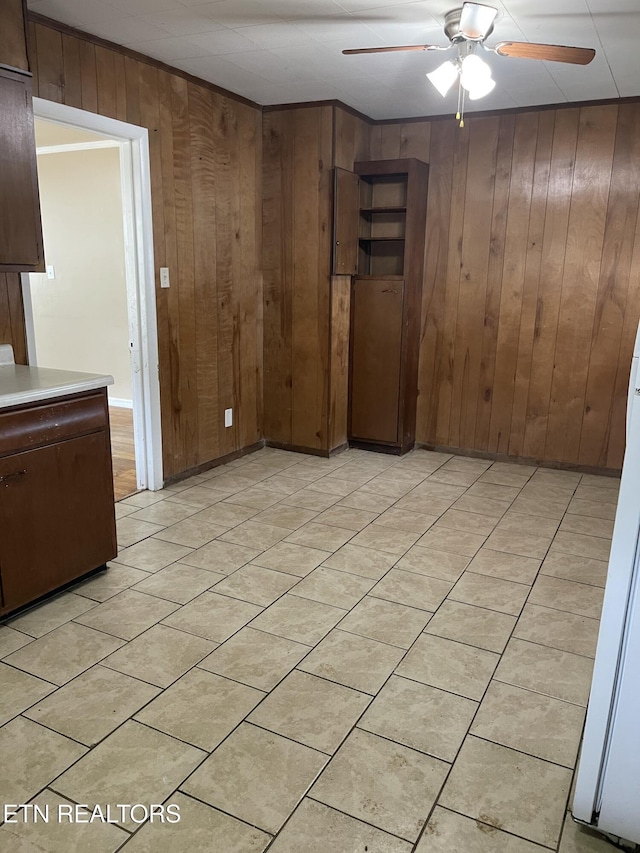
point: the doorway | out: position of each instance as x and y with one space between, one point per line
122 303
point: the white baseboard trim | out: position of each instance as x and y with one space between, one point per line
119 403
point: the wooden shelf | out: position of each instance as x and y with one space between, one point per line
380 278
373 210
381 239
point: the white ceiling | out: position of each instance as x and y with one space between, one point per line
285 51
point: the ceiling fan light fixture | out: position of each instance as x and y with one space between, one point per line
444 77
472 66
481 87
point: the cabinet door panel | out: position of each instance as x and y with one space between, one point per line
346 202
13 41
20 226
376 359
53 506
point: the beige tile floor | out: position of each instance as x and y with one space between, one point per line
320 656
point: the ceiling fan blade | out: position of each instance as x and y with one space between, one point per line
394 49
476 20
548 52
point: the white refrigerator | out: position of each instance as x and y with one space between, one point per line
607 794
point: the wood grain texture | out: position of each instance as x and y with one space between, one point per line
206 185
540 211
339 376
297 217
21 245
123 455
13 48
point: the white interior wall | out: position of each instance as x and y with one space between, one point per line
80 317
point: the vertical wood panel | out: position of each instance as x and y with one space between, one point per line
415 140
50 64
312 162
33 56
554 240
203 175
72 72
351 139
88 76
476 234
591 182
164 210
612 299
447 355
539 199
277 271
186 424
500 207
106 82
436 262
514 263
248 300
340 323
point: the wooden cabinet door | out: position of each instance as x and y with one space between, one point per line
376 357
56 516
20 226
13 37
346 210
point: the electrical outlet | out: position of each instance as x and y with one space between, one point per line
228 417
164 277
51 272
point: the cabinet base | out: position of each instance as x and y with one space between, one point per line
6 615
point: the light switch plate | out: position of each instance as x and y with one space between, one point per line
228 417
164 277
51 271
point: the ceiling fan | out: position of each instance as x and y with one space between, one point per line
467 28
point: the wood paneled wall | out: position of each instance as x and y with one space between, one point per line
206 173
306 309
531 294
532 289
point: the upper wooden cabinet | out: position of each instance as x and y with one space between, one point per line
21 247
13 39
20 226
389 212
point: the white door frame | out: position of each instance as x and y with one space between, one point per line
135 173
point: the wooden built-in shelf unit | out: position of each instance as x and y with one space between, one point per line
380 224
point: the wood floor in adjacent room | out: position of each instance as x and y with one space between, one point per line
122 451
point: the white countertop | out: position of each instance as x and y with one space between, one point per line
20 384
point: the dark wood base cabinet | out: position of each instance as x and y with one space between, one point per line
57 517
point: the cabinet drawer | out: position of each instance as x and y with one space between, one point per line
48 422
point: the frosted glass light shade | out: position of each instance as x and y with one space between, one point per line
444 77
474 70
481 87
